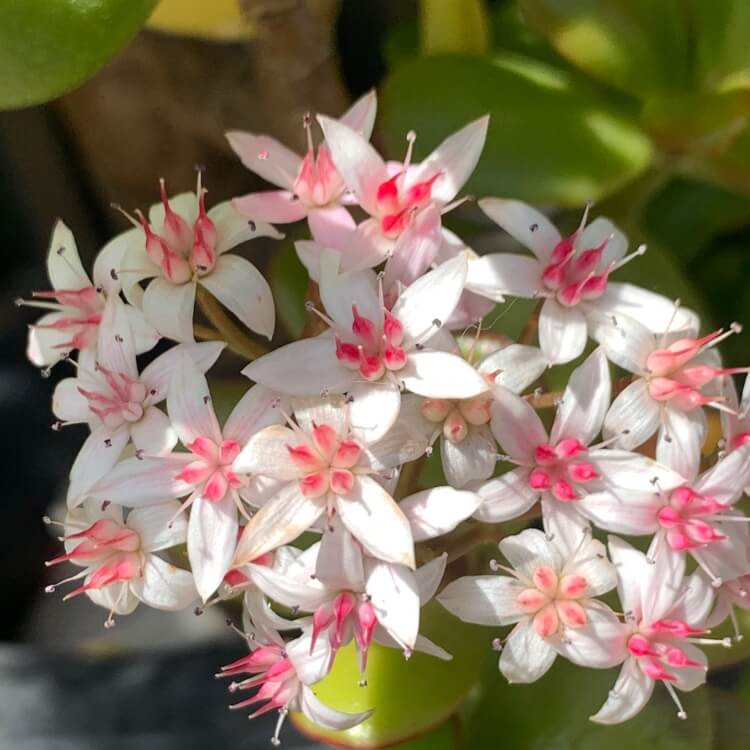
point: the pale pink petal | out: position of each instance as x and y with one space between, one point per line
622 511
280 521
664 564
696 605
64 266
525 224
424 306
562 332
361 115
529 549
47 346
272 206
110 259
429 576
627 698
625 341
305 596
727 558
257 409
470 309
632 571
373 410
325 716
339 291
516 426
723 480
164 586
599 644
601 231
153 433
115 344
267 454
563 523
212 535
375 520
584 404
634 416
266 157
590 561
437 511
440 375
232 228
169 308
506 497
472 459
241 288
309 253
395 597
690 678
360 166
484 600
189 404
315 410
159 526
623 470
525 656
339 563
680 441
333 227
498 274
68 405
515 367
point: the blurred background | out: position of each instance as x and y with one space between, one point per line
641 107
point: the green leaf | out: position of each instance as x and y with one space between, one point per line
552 714
553 138
288 280
454 26
410 697
48 47
731 723
639 46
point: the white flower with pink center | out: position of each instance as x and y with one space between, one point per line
561 468
119 557
664 623
352 597
549 594
206 474
76 303
372 352
181 245
690 513
311 185
118 403
282 672
326 469
570 274
676 375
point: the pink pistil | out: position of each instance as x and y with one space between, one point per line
212 469
686 519
559 468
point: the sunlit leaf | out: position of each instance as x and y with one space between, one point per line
454 26
218 20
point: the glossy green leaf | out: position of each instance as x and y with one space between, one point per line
410 697
552 714
642 47
48 47
454 26
553 138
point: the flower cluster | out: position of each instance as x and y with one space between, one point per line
308 495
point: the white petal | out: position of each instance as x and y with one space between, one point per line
440 375
280 521
212 536
184 204
515 367
256 410
169 308
664 564
360 117
516 425
426 646
525 656
241 288
359 164
628 697
623 470
525 224
473 458
47 346
157 374
232 228
189 404
145 336
68 404
159 526
724 479
63 263
394 594
632 571
601 230
599 644
529 549
634 416
454 160
624 511
117 598
99 453
305 596
302 368
115 344
563 523
505 497
379 525
271 206
373 410
562 332
585 401
266 157
696 605
110 259
325 716
429 576
680 441
484 600
267 454
437 511
498 274
625 341
163 586
339 563
153 433
590 561
311 664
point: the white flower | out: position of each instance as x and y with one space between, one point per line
324 467
549 595
208 473
118 403
119 560
571 274
180 246
664 620
76 303
371 352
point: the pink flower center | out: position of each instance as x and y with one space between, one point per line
371 350
457 416
212 469
119 398
325 462
656 650
82 316
318 183
397 205
686 518
553 601
181 251
560 468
